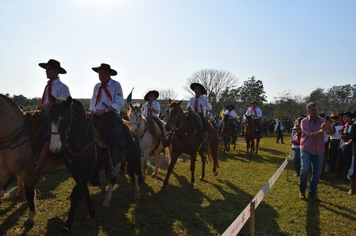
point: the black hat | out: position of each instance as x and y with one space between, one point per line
55 64
105 67
348 113
151 92
193 85
233 107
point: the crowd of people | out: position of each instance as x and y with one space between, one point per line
324 145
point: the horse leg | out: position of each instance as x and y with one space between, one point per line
5 178
158 162
20 188
89 203
145 162
248 146
137 194
30 197
107 199
193 158
76 196
203 160
257 144
174 157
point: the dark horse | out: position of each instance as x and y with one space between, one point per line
228 134
72 134
251 135
186 139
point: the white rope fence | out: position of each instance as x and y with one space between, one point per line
249 211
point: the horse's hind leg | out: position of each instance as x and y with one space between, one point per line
192 167
158 162
20 188
4 181
203 160
145 162
174 157
107 199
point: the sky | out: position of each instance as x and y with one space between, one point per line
289 45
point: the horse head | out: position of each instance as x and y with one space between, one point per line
68 122
175 115
135 116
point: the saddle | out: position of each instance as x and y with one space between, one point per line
153 128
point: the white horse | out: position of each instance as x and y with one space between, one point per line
148 141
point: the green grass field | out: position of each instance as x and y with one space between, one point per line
207 209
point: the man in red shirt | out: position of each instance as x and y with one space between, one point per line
312 150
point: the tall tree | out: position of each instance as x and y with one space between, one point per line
289 106
251 90
214 81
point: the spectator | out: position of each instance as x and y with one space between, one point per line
344 155
312 150
335 139
295 141
279 130
352 172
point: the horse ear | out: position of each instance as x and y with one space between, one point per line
53 98
69 101
179 103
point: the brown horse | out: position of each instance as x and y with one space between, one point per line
186 139
251 135
228 134
17 153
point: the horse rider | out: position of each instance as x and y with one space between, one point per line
256 114
106 102
232 116
201 105
57 89
152 109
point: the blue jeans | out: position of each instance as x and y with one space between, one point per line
296 156
315 162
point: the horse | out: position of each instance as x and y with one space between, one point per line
228 134
17 153
148 141
251 136
72 134
185 138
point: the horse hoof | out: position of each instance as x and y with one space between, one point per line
154 175
201 178
29 223
216 173
88 219
18 198
105 205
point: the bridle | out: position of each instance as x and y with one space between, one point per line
135 119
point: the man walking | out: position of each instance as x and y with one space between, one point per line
312 150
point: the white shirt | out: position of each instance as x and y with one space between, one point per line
258 113
203 101
155 105
281 127
59 90
115 90
337 134
232 114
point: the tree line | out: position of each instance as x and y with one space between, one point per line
222 90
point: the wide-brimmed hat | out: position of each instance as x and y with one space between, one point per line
193 85
348 113
296 127
335 115
151 92
254 102
105 67
55 64
233 107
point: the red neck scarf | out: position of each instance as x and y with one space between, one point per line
254 110
102 86
346 125
49 91
149 111
196 104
